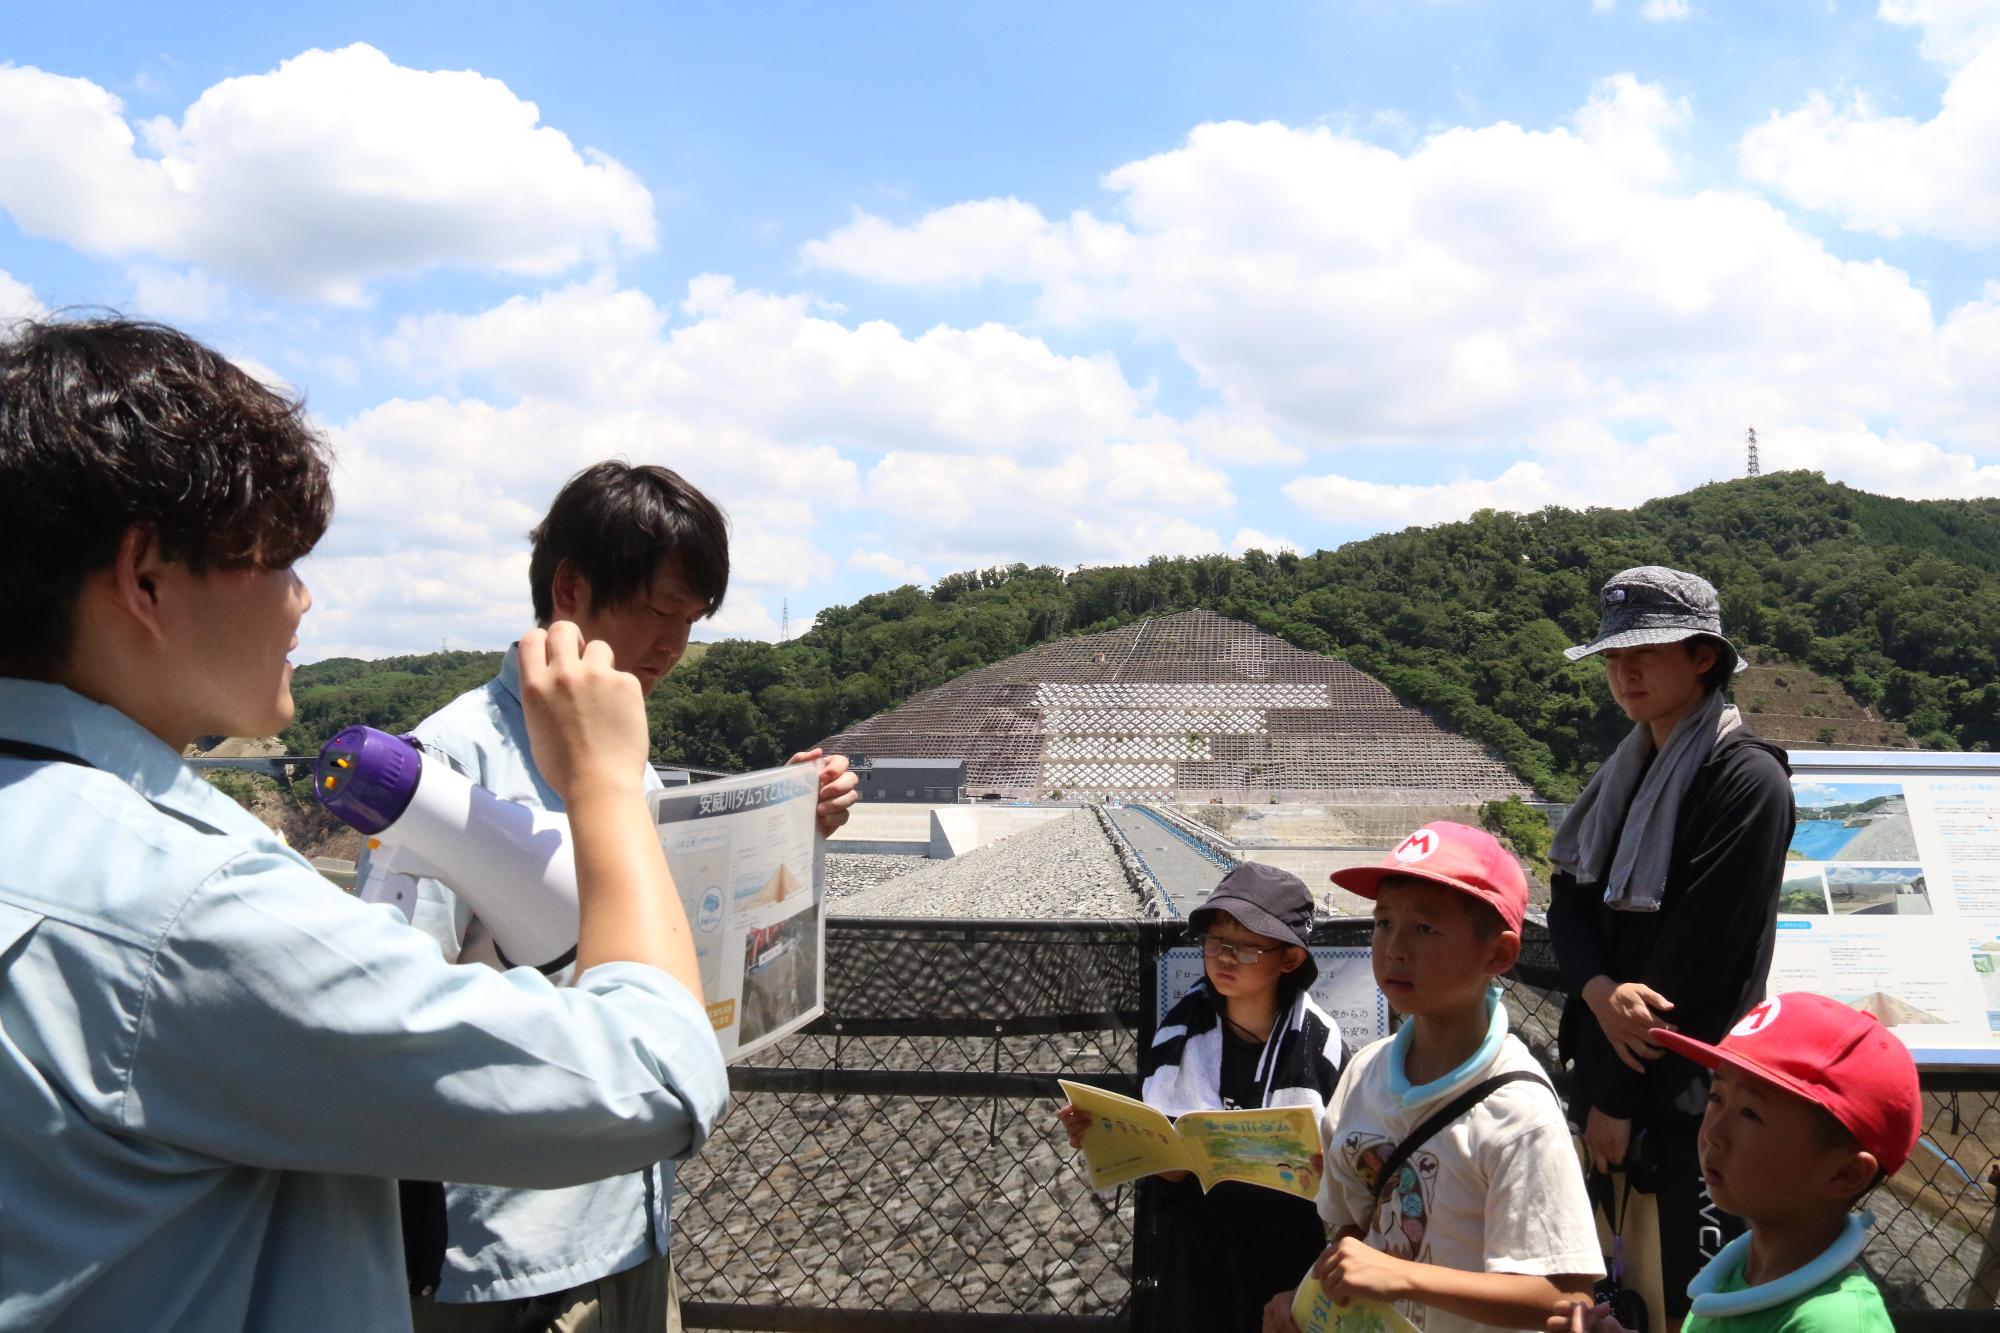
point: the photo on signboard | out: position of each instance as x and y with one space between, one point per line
780 974
1986 963
1891 1011
1803 893
1851 821
1878 890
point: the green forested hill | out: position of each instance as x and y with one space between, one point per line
1898 600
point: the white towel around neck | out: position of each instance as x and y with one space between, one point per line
1620 832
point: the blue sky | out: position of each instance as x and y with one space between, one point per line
912 288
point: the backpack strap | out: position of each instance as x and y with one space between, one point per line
1443 1116
39 753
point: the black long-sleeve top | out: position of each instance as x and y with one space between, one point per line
1707 949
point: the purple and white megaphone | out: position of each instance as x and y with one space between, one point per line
512 863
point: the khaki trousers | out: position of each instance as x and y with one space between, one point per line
641 1299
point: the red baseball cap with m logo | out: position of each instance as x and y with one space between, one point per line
1836 1057
1457 856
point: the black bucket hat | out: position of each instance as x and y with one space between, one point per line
1654 604
1269 901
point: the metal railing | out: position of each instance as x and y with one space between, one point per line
897 1165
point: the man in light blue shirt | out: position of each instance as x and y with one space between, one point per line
213 1065
634 556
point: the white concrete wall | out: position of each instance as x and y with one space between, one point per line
957 829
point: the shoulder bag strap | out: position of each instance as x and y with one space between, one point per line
39 753
1443 1116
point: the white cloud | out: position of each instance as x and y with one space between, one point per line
1952 32
1664 11
1249 539
1344 501
17 299
163 294
983 445
1563 300
897 570
768 361
965 511
313 180
264 375
741 617
1892 174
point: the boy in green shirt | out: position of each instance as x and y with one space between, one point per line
1812 1105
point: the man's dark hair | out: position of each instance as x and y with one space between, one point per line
615 522
107 424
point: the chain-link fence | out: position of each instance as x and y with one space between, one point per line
898 1166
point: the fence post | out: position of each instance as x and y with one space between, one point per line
1145 1258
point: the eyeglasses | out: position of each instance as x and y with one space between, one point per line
1243 955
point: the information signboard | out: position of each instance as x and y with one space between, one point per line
1891 895
1345 989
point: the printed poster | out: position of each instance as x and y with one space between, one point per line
745 857
1890 900
1345 988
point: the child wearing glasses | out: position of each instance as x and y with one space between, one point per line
1246 1035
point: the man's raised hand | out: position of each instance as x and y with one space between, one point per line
586 718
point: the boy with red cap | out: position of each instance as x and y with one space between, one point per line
1452 1189
1812 1104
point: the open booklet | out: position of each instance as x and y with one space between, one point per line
1274 1146
1314 1312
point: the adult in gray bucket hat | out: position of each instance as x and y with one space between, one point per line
1663 907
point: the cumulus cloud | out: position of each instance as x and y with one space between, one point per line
1891 174
17 299
1951 32
164 294
964 511
1249 539
755 357
971 446
315 179
897 570
1563 300
1344 501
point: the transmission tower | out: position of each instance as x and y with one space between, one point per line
1754 470
785 622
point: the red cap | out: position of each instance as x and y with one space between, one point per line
1457 856
1833 1056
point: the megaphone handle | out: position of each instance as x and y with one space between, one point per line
392 878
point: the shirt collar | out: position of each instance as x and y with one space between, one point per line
510 671
1399 1051
108 740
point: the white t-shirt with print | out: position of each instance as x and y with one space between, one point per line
1497 1190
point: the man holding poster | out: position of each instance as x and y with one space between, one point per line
634 556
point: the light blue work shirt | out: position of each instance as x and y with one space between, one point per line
506 1243
214 1064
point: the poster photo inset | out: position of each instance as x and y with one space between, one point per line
1878 890
1852 821
1803 892
780 972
